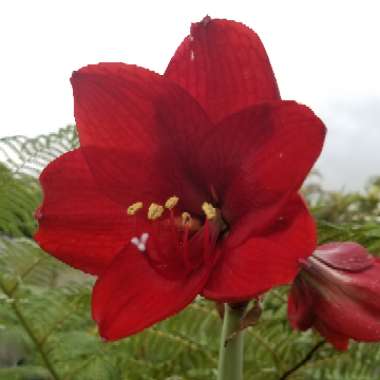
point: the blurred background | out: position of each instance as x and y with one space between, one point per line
325 54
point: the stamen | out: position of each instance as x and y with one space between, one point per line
206 241
171 202
209 210
186 218
155 211
133 208
185 247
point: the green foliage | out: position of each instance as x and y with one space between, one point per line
30 155
19 197
46 331
340 207
21 161
367 234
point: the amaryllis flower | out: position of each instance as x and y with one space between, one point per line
338 293
184 183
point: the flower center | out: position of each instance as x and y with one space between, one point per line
174 242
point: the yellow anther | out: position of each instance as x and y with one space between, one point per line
155 211
209 210
186 218
132 209
171 202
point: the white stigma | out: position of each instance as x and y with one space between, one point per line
140 243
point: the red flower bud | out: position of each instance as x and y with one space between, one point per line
337 292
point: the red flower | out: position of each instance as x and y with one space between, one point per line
338 293
213 139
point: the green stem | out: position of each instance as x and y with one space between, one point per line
231 344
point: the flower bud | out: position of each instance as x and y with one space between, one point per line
337 292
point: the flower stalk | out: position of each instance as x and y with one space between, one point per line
231 344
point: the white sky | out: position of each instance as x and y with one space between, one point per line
325 54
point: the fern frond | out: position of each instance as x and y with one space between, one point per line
29 156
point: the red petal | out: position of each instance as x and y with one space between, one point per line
266 261
77 224
302 309
345 256
360 287
352 310
338 340
257 159
365 288
131 296
345 304
300 305
137 131
223 64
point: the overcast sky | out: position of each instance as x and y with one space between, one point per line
325 54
